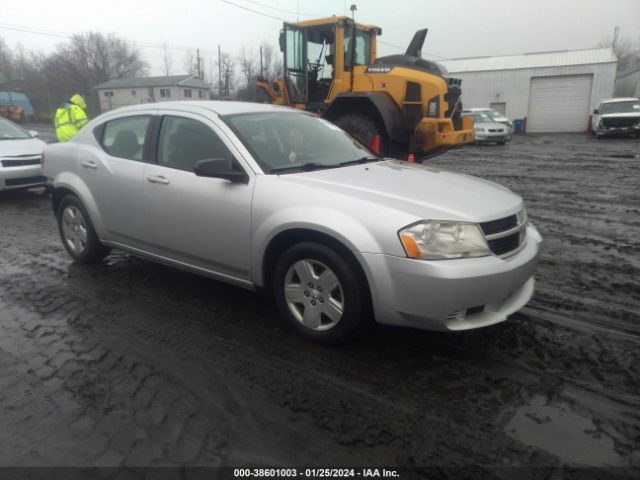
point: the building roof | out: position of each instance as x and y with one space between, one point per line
164 81
531 60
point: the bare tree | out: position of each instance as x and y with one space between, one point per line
226 68
189 63
167 59
248 62
92 58
6 62
627 51
271 62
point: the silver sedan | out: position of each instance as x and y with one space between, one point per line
20 157
280 201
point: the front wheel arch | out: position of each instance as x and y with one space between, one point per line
283 240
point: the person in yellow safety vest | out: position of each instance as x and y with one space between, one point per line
70 117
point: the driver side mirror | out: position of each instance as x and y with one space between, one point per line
33 133
596 111
219 168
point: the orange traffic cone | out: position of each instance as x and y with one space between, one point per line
411 158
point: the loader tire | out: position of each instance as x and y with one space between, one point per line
363 129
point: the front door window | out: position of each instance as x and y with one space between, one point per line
295 65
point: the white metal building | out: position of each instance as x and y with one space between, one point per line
132 91
549 91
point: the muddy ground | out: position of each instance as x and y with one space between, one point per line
135 364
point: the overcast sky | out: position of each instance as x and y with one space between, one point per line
457 28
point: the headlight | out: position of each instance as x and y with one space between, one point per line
433 107
434 240
479 129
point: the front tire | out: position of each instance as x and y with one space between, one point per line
77 233
320 294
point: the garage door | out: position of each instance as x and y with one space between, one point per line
559 104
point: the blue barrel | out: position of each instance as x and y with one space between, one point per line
518 125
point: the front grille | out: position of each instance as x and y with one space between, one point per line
15 182
19 163
500 246
500 225
619 122
505 234
496 130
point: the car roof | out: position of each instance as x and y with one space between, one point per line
217 107
621 99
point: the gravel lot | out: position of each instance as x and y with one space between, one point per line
132 363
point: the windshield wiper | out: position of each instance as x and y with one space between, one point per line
307 167
361 160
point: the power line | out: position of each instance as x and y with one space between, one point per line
52 33
283 10
252 10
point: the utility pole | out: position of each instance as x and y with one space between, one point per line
198 66
616 31
219 72
261 68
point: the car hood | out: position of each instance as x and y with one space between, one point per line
27 146
425 191
621 115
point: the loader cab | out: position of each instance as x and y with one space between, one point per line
319 56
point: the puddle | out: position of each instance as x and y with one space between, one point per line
561 432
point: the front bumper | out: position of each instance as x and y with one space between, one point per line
448 295
487 137
432 134
13 178
602 131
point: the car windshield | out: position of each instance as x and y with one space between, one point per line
482 118
10 131
632 106
493 114
289 142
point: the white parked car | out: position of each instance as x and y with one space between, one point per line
278 200
20 157
494 115
616 116
487 130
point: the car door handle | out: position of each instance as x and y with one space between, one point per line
89 164
158 179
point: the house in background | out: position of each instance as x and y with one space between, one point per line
133 91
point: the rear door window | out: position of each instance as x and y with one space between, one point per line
126 137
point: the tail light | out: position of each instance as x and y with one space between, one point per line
41 161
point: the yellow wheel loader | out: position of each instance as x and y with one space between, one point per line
396 105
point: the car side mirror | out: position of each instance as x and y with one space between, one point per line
219 168
596 112
33 133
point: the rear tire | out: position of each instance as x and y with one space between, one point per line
320 294
77 233
363 129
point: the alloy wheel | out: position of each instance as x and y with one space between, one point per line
314 295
